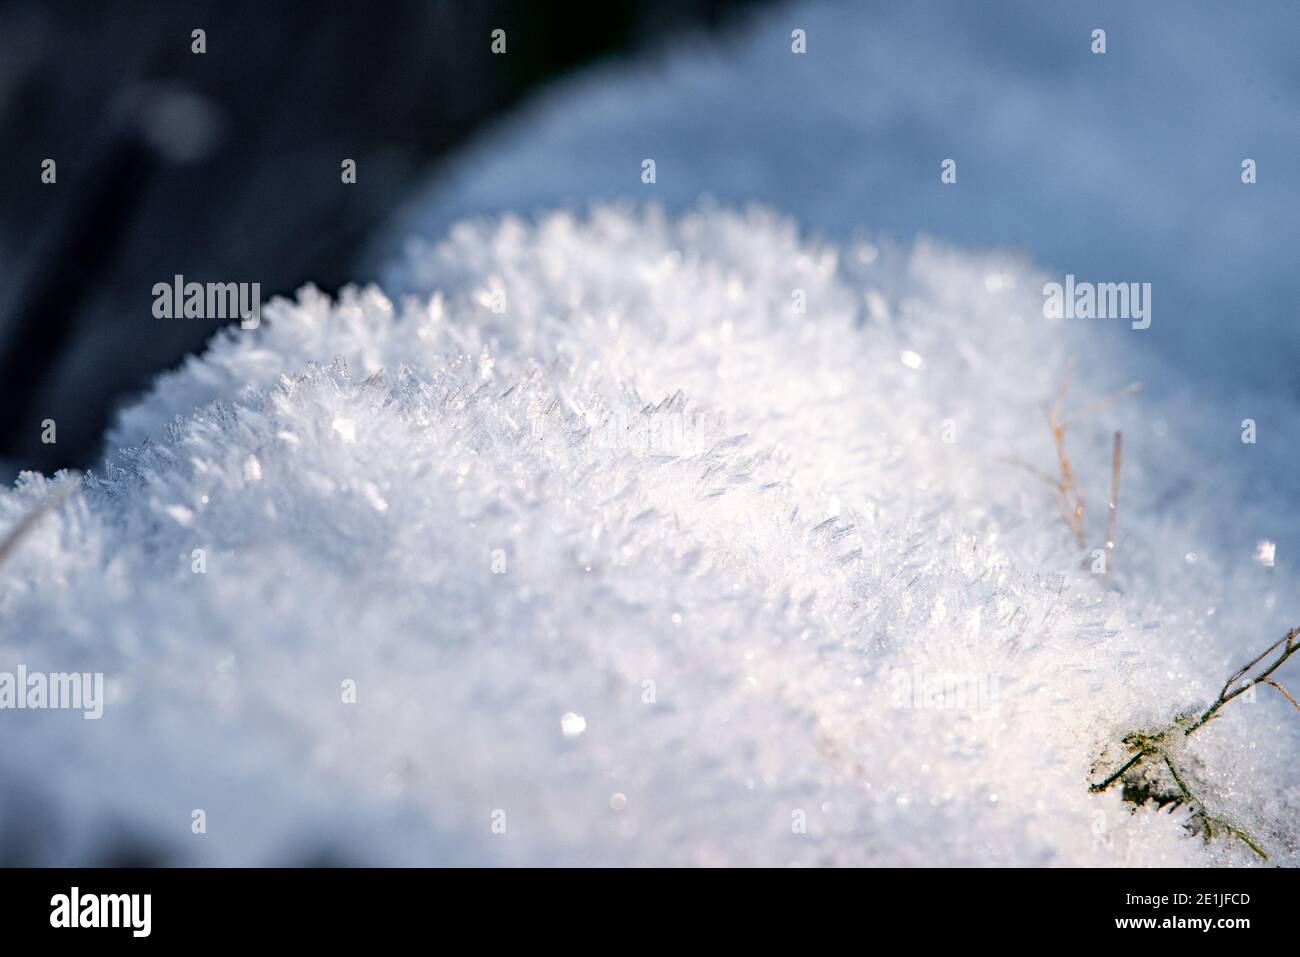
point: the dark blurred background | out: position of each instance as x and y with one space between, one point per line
225 166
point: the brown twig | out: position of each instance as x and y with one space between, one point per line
1066 490
1143 745
1069 497
1292 646
1286 694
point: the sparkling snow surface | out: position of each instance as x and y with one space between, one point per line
1117 167
639 562
633 571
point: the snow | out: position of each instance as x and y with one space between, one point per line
577 542
1118 167
645 569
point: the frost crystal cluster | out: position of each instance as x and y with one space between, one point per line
628 538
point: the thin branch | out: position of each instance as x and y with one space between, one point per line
1103 785
1144 745
1286 694
1243 837
1225 695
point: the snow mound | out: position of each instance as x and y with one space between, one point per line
639 538
1102 166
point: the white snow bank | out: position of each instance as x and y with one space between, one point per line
652 494
1117 167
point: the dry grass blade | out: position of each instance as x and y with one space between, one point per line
1286 694
1065 489
1114 503
1069 497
